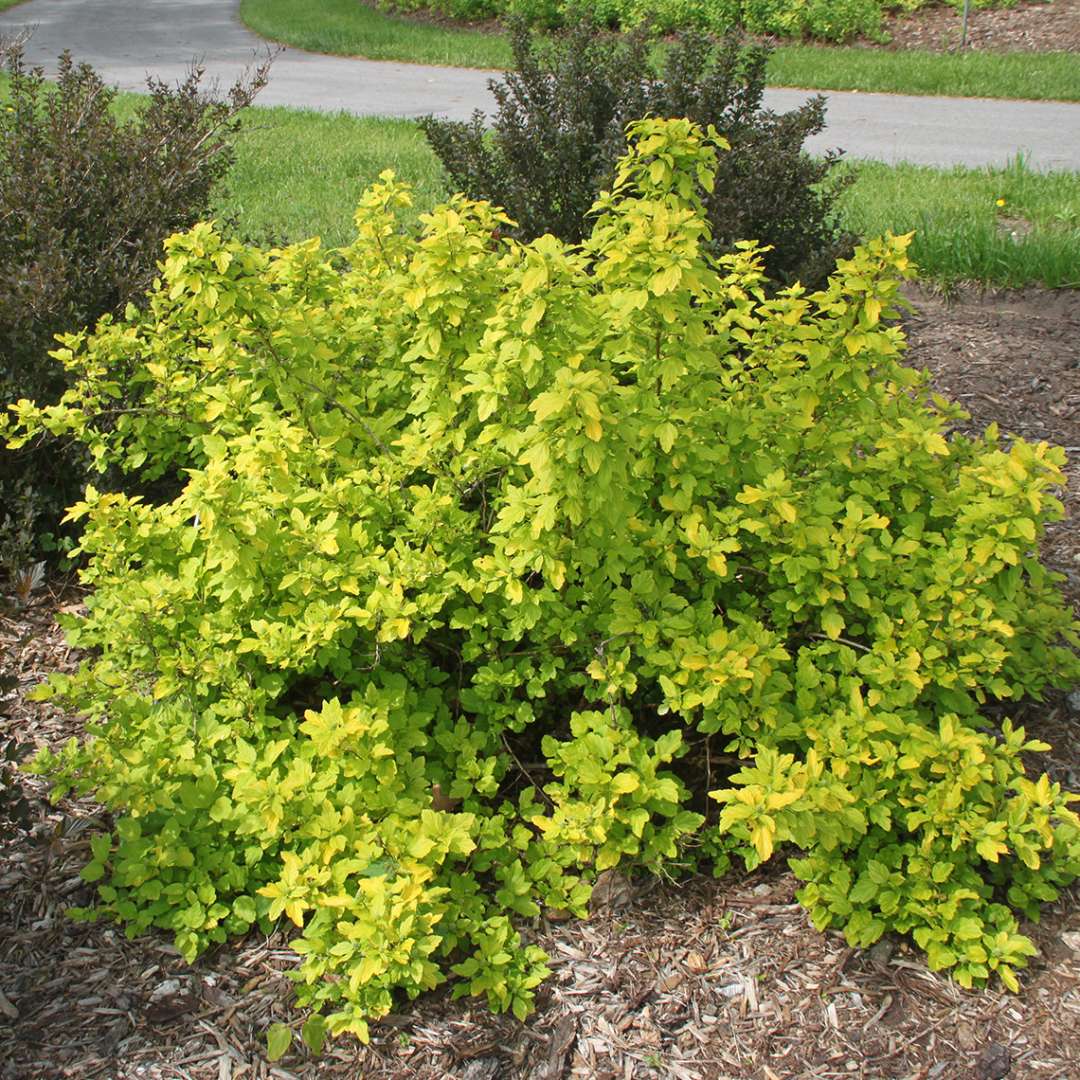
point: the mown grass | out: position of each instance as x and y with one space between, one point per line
1032 76
300 173
1006 226
350 28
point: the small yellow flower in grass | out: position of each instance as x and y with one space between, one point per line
1000 202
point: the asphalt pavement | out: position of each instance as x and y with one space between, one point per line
125 40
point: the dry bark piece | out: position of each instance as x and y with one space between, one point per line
562 1041
696 963
485 1068
612 892
881 952
993 1063
441 801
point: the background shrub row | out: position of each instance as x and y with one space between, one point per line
827 20
560 127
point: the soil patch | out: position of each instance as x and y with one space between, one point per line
700 981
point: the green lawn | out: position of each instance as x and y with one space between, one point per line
1034 76
350 28
961 231
300 173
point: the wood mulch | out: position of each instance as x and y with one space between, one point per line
1025 27
702 980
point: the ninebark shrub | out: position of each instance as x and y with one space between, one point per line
85 203
490 554
560 129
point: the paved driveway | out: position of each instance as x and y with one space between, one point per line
126 39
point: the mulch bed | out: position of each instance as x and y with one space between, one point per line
702 980
1025 27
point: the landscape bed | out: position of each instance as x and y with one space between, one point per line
659 980
701 979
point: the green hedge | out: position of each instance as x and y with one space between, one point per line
826 20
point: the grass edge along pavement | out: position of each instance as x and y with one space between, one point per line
299 173
351 28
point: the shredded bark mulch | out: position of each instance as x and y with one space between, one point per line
1026 27
702 980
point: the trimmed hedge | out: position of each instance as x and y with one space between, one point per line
824 20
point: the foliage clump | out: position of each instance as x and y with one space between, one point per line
560 129
86 200
490 554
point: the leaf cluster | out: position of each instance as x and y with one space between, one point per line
499 565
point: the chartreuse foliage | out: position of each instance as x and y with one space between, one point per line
484 550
